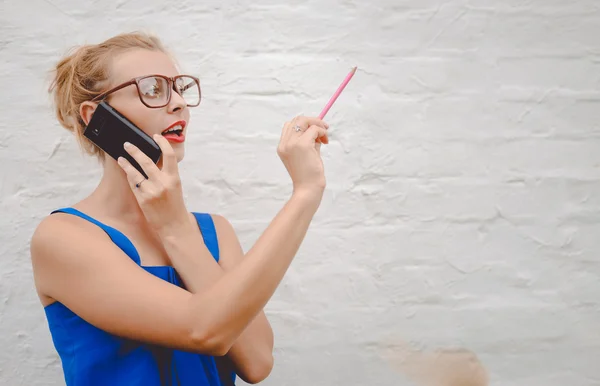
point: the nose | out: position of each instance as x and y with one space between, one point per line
177 102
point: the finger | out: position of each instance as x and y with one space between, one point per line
306 122
287 130
141 158
169 159
133 175
290 130
284 130
315 132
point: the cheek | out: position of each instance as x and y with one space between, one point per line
146 119
137 113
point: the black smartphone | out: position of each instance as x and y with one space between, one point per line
109 130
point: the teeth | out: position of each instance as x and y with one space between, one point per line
173 129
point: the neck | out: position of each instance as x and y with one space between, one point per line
115 196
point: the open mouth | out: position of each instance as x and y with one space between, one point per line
176 130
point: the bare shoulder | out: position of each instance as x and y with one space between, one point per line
57 247
222 224
59 232
231 252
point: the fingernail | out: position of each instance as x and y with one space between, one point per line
120 160
127 145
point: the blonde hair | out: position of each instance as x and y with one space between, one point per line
81 74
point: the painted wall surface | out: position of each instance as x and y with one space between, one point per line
459 232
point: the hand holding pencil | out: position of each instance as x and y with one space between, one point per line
300 148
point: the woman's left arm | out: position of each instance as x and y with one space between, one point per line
252 353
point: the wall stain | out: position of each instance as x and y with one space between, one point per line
440 367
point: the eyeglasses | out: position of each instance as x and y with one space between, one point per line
155 90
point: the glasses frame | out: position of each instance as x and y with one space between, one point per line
170 82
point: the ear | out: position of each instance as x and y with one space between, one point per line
86 110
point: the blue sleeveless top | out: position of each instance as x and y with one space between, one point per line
93 357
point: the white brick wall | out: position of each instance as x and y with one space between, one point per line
463 174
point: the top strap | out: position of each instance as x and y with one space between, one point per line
205 223
116 236
209 233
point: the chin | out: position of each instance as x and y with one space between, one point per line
179 153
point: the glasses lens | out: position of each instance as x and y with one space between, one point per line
154 90
188 89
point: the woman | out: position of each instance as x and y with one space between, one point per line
137 289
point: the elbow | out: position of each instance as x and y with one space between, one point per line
259 370
209 342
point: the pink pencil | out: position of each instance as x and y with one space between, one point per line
337 93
